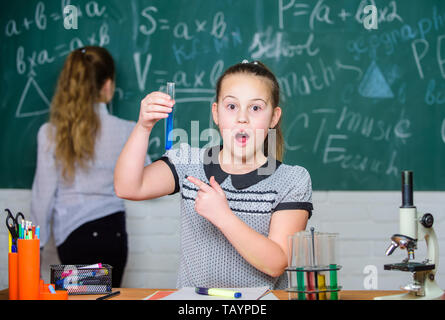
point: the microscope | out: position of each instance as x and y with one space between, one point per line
415 226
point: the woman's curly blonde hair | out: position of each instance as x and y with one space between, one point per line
72 111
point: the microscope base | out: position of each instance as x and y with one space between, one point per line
432 292
410 296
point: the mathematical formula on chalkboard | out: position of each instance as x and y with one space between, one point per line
362 82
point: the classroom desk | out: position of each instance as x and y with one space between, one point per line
139 293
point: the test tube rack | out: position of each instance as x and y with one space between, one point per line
312 284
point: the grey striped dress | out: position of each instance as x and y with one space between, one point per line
207 258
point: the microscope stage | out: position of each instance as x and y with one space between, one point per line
409 266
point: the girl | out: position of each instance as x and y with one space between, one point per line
77 151
239 203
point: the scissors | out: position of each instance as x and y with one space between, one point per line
13 223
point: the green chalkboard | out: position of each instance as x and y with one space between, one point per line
360 104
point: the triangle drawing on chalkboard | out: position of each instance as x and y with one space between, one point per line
374 84
20 113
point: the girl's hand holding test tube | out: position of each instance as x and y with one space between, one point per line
154 107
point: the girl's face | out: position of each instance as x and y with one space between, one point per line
244 114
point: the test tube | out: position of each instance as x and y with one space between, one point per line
332 250
314 263
300 283
321 286
310 275
169 120
322 258
296 260
300 265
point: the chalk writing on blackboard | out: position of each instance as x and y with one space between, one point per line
374 84
355 101
40 18
31 84
442 131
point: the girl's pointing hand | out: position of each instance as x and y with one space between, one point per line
211 202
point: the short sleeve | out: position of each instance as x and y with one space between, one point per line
298 196
177 160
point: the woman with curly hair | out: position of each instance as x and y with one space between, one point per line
77 152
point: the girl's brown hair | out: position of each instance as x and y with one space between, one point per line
72 111
259 69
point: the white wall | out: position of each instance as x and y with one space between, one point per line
364 220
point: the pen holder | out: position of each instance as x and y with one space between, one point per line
28 269
12 275
46 294
77 280
59 295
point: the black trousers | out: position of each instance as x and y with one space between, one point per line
103 240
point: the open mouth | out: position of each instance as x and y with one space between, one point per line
241 138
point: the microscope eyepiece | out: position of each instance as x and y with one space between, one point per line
407 189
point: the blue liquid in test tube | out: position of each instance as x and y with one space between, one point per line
169 120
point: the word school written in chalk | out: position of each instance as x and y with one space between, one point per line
227 309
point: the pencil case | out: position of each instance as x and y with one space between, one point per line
76 279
